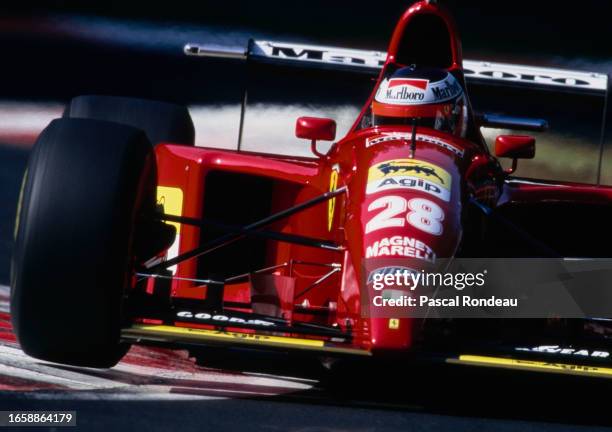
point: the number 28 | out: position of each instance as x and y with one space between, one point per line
422 214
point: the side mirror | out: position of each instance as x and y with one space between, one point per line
515 147
315 128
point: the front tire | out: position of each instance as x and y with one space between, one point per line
87 182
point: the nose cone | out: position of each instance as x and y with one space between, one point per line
409 218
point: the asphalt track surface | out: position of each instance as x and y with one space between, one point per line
164 389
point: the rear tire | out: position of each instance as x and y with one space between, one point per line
87 182
161 121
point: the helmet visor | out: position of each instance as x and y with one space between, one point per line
449 118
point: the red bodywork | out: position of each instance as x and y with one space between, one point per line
359 218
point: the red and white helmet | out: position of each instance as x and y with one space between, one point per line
431 96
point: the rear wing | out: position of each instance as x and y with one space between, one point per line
370 62
478 74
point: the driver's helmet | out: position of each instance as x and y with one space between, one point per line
430 97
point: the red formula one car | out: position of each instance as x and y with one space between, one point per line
121 242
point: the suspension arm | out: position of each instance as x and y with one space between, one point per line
232 237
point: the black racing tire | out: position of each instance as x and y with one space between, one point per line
161 121
86 184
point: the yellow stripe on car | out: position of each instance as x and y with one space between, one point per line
169 333
533 365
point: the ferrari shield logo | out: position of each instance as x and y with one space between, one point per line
331 204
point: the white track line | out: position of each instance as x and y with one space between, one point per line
130 380
26 374
209 377
5 293
17 364
146 393
16 356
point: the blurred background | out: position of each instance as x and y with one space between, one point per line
54 50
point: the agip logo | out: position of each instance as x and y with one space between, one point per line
410 174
